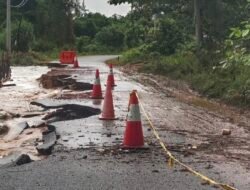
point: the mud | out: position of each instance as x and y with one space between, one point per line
67 78
49 82
57 65
63 81
205 119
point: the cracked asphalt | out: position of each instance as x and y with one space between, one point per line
87 154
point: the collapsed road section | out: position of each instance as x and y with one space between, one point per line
26 132
89 148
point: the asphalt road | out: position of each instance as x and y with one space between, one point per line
87 155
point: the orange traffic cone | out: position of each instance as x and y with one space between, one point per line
97 89
133 136
108 112
111 76
76 64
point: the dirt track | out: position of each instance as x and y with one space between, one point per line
190 126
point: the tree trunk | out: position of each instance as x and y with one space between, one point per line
198 22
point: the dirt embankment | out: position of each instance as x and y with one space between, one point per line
183 92
200 121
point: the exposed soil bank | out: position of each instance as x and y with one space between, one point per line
63 81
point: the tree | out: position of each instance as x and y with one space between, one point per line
23 36
198 25
111 36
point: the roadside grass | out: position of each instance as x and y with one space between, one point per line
230 84
28 59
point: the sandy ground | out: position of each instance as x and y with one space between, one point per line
87 154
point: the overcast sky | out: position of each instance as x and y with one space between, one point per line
103 7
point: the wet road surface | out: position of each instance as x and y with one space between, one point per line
87 154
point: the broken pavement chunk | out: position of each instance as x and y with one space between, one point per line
226 132
38 124
49 140
16 130
23 159
15 159
3 129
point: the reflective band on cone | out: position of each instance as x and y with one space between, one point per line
133 136
97 89
111 76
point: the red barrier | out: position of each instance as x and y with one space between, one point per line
67 57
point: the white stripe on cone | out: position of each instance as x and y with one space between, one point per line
134 113
97 81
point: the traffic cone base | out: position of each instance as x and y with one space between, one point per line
112 86
107 118
97 101
133 135
76 64
97 89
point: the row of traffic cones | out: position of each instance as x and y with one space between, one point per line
97 89
133 136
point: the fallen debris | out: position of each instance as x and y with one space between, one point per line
38 124
23 159
8 85
49 140
226 132
57 65
6 115
3 129
155 171
15 159
16 130
31 114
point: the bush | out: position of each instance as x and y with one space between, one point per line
136 54
82 43
25 59
43 46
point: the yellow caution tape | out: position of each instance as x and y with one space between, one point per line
172 160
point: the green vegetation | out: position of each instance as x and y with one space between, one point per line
210 52
205 43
